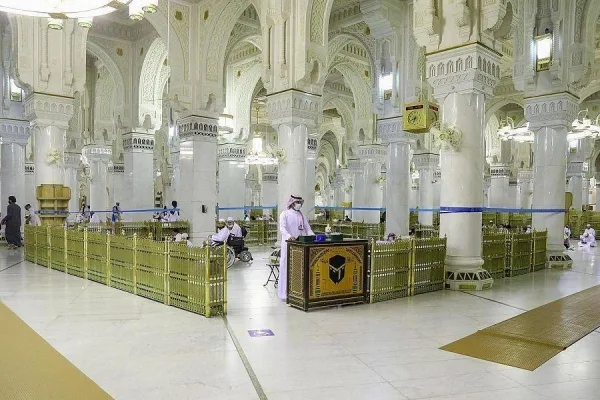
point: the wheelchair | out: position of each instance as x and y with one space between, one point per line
236 249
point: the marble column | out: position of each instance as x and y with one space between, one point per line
585 192
499 182
575 177
597 208
357 191
30 184
437 175
173 192
116 172
312 144
232 177
524 188
550 117
269 195
138 162
372 157
511 200
413 197
338 189
98 157
198 163
487 183
13 136
49 116
426 164
398 177
462 96
348 178
292 114
72 167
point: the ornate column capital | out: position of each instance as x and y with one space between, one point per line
97 152
45 109
426 160
553 110
293 107
499 170
231 152
118 168
372 152
72 160
525 175
575 169
14 131
390 131
196 127
354 165
138 142
470 68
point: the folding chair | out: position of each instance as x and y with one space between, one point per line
273 264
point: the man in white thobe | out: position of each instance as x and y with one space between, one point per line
590 236
234 228
292 223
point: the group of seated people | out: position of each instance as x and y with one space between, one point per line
182 237
588 238
167 215
226 229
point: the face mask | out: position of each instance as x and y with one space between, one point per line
230 227
297 206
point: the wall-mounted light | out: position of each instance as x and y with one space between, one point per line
543 50
386 83
85 22
136 11
150 6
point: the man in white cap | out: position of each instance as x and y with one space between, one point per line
231 229
292 223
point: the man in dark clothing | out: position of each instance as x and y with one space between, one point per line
12 220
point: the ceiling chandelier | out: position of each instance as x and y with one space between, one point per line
584 127
257 155
508 131
57 11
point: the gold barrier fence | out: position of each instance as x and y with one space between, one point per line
190 278
406 268
158 231
512 254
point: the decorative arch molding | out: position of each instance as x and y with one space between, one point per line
153 73
213 56
586 17
120 93
337 42
496 106
344 109
105 100
589 90
360 88
330 137
317 23
244 93
178 34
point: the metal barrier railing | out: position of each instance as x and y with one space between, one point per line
508 254
406 268
191 278
158 231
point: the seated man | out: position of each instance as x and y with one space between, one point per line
234 228
591 235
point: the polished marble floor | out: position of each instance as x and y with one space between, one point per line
138 349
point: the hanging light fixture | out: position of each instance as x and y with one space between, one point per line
136 12
55 23
85 22
508 131
257 156
583 127
150 6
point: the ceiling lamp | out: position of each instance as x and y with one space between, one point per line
584 127
150 6
257 155
508 131
62 9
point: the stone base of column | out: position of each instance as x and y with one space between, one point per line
467 274
559 260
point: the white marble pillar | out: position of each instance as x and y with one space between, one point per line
338 189
585 192
348 178
98 157
116 177
597 188
398 177
487 183
511 199
426 164
463 108
498 193
49 116
232 177
357 192
174 187
413 197
550 117
524 188
437 175
138 162
312 144
575 177
293 113
30 184
269 190
13 136
198 163
72 167
369 182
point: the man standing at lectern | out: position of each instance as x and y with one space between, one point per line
292 223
